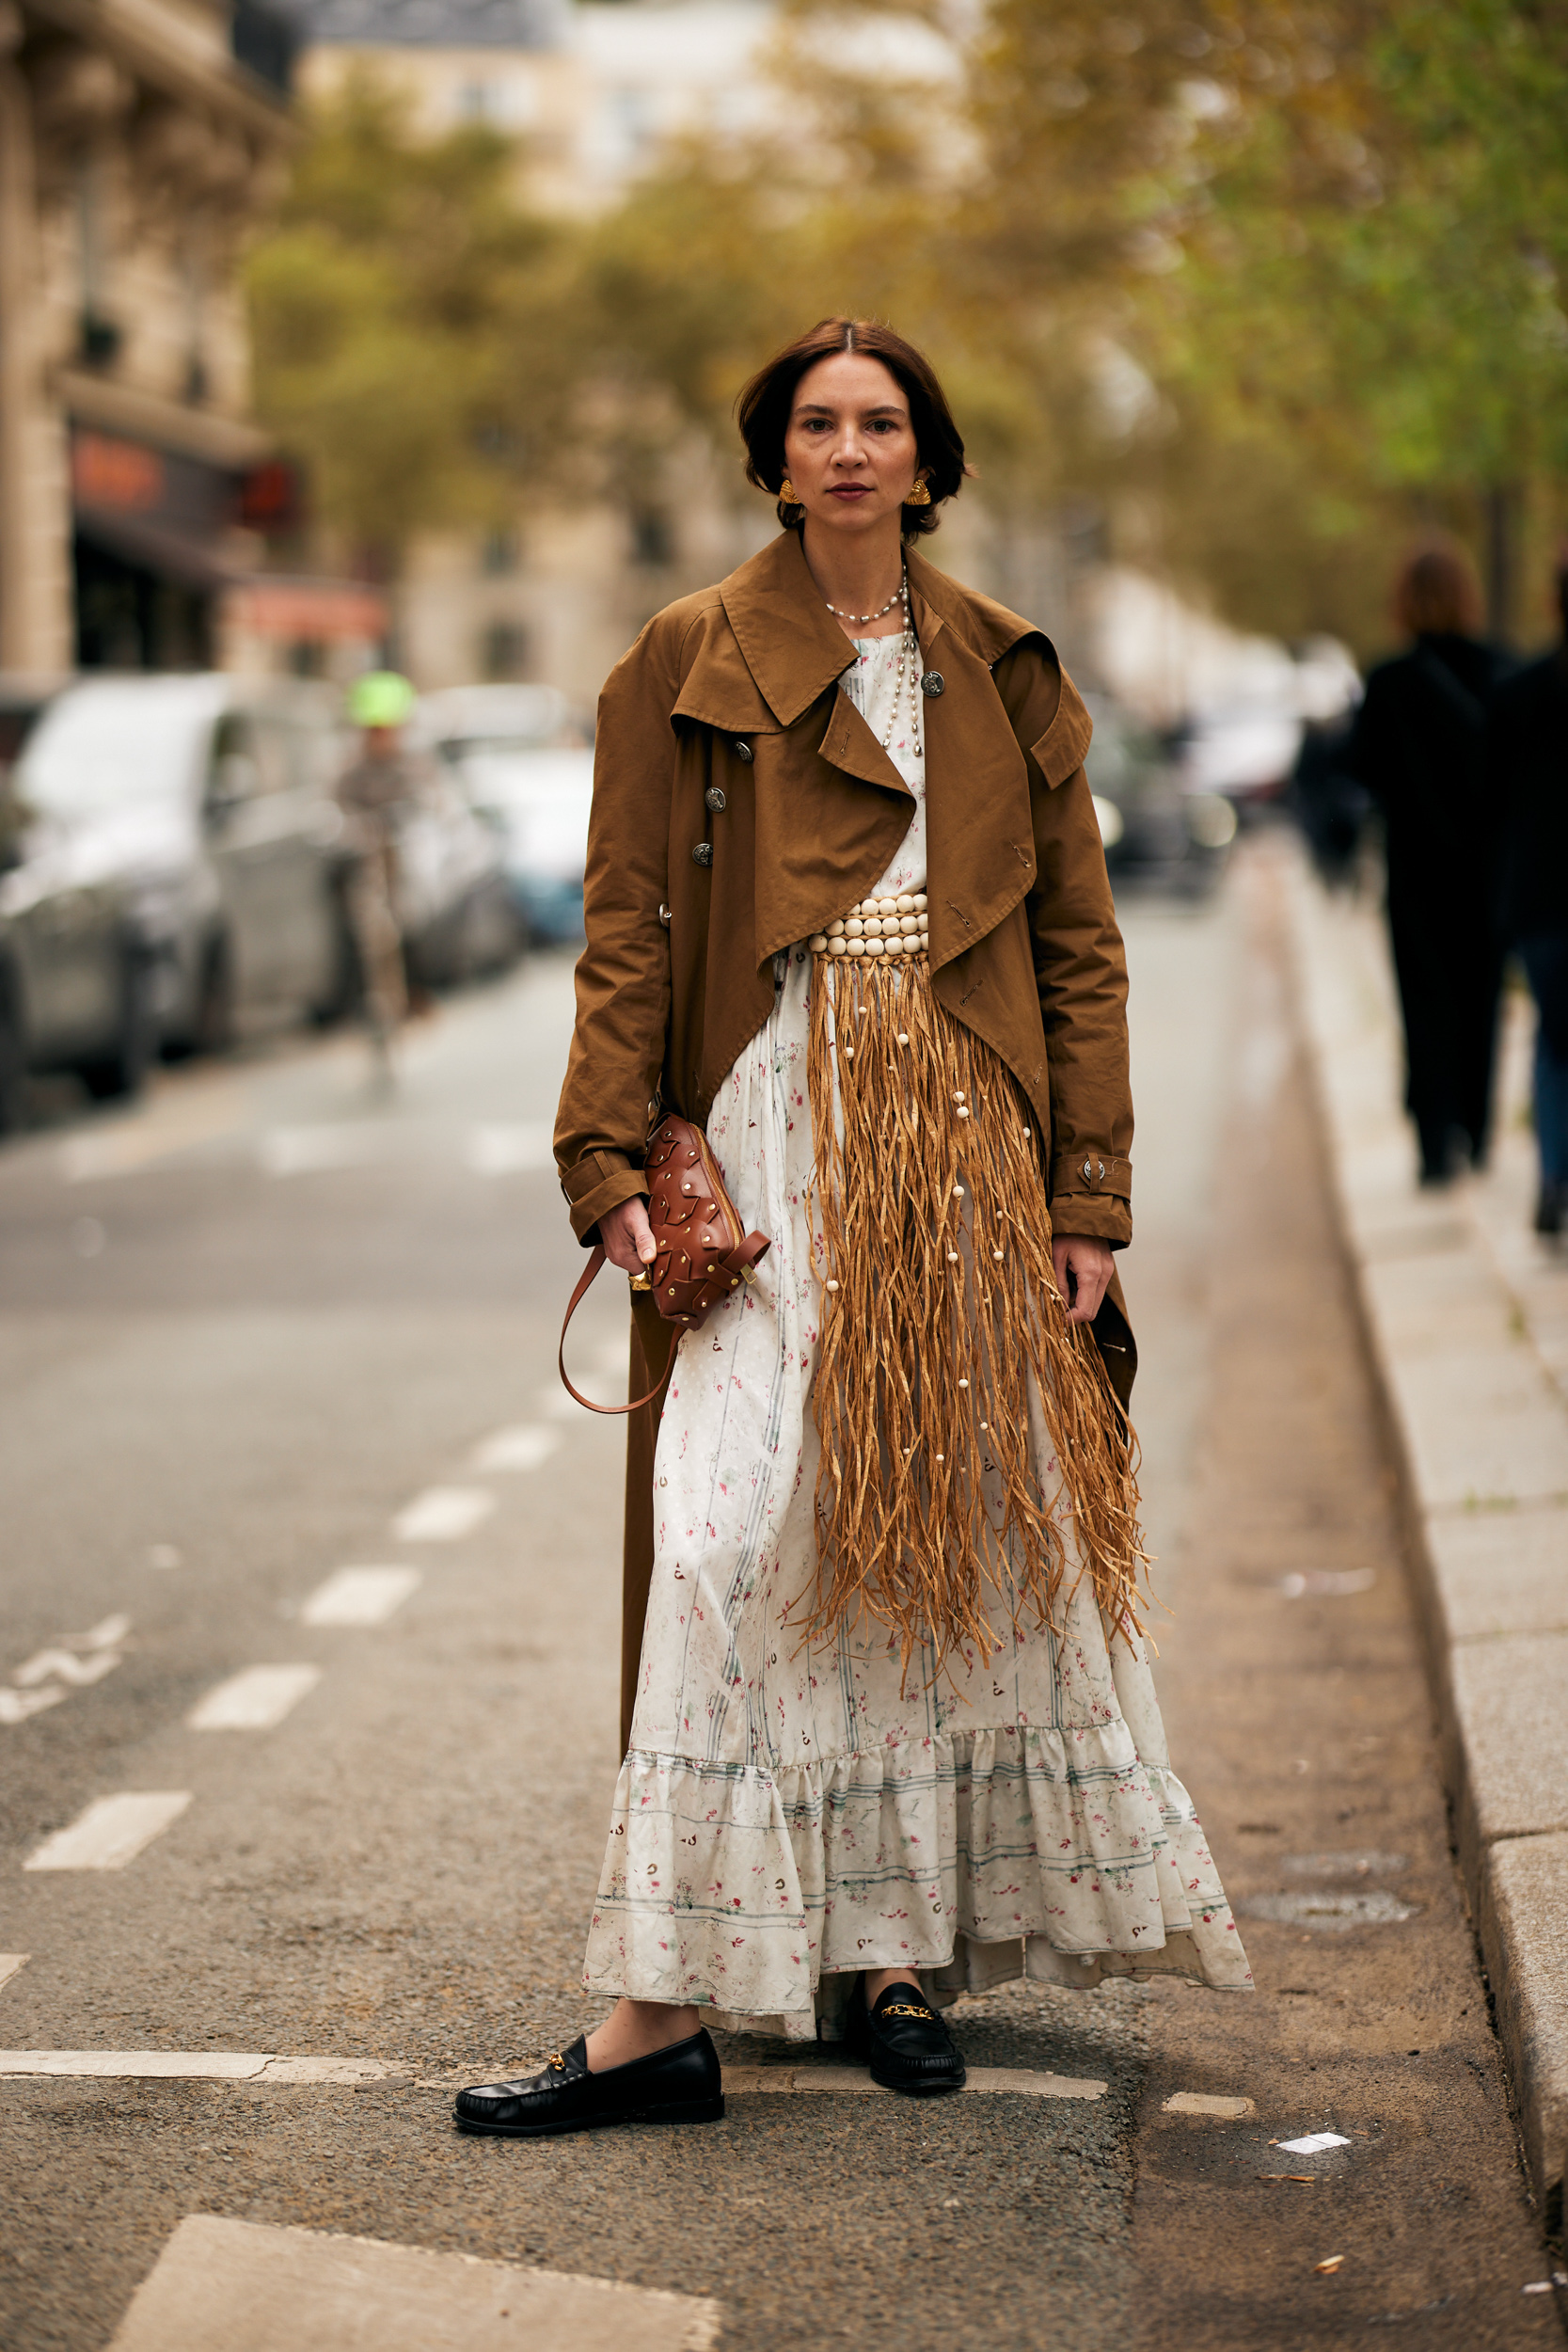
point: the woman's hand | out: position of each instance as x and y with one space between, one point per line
628 1237
1082 1270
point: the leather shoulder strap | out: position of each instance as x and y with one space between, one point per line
595 1261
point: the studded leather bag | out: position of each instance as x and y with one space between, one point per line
703 1249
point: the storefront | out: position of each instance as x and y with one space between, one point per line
148 548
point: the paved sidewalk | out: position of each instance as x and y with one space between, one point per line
1466 1318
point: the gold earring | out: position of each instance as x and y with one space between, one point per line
920 495
786 491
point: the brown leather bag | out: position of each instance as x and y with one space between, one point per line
702 1253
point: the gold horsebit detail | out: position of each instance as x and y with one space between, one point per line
908 2009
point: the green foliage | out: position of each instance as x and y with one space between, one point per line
400 315
1273 283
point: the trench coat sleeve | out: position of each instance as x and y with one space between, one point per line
1079 963
622 976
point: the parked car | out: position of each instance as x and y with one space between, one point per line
454 898
169 853
1151 828
527 764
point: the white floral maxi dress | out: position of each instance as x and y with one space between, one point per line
786 1818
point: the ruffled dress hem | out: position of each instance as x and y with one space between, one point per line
972 1857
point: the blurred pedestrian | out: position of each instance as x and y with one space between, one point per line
892 1728
1419 747
1529 767
374 792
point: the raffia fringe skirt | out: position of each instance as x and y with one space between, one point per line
941 1303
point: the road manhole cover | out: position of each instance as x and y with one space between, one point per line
1330 1914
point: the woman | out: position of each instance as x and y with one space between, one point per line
891 1732
1419 747
1530 785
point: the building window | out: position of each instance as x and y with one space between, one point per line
504 653
99 336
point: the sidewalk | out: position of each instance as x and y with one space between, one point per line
1466 1319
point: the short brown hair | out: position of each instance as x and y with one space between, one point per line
763 412
1437 593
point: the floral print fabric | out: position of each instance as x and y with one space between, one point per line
786 1815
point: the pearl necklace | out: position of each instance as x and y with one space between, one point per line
909 650
899 594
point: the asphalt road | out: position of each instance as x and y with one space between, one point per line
251 1323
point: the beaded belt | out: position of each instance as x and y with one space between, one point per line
877 927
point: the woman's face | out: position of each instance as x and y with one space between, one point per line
849 448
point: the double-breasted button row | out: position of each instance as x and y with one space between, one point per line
742 750
933 683
715 798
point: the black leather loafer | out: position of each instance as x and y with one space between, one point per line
680 2085
905 2043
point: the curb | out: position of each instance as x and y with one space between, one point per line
1466 1319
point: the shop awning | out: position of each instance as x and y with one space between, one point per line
307 611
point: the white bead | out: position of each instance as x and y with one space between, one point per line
887 906
957 1192
874 947
963 1384
817 943
872 927
903 1037
832 1286
958 1094
921 902
1027 1134
854 946
963 1110
952 1257
905 903
910 925
892 947
838 946
996 1253
835 931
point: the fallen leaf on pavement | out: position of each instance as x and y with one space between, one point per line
1334 2262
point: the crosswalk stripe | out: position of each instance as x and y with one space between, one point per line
359 1595
112 1832
218 2279
525 1448
254 1700
443 1513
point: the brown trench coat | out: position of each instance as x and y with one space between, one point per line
724 724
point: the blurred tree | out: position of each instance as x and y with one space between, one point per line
403 308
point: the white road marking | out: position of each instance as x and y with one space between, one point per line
254 1700
213 2066
513 1151
305 1151
232 2282
1205 2102
51 1674
442 1514
1020 2080
10 1963
359 1595
525 1448
16 1706
162 1556
1312 2145
58 1665
111 1833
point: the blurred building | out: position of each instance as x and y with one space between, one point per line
138 139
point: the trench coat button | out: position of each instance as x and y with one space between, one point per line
703 853
714 796
933 683
1089 1172
666 915
742 750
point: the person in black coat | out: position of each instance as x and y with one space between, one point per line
1529 769
1419 747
